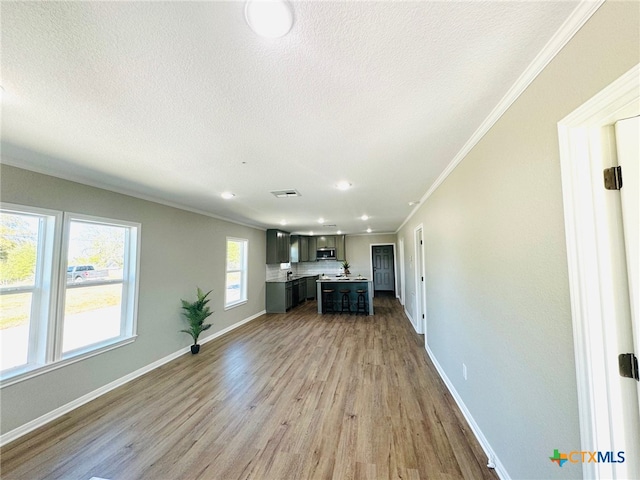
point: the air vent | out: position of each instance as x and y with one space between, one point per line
286 193
329 225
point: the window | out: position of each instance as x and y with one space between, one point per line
236 272
68 288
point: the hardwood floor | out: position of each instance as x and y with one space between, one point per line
286 396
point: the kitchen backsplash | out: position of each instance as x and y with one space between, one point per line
274 272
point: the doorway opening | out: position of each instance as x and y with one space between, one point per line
604 324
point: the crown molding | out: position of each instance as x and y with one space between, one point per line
567 30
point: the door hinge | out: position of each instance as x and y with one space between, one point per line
612 178
628 365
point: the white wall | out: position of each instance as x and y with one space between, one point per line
495 258
180 250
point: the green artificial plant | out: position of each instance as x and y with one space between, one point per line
346 266
196 313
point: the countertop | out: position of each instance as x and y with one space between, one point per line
290 279
342 279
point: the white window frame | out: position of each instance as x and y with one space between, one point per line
128 314
47 310
244 272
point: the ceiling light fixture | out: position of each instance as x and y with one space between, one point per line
413 203
364 217
269 18
227 195
343 185
339 232
368 230
283 222
321 220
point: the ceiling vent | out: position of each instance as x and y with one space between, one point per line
329 225
286 193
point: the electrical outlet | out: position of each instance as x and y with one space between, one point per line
464 371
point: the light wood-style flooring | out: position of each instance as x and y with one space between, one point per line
286 396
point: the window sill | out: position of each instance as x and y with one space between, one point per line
31 371
234 305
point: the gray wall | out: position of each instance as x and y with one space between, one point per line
495 256
179 251
359 251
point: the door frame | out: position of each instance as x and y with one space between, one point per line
395 264
421 294
589 284
401 273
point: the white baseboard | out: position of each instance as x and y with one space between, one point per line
413 324
16 433
493 460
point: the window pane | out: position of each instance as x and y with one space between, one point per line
19 241
15 313
96 252
18 247
234 282
91 315
93 309
234 255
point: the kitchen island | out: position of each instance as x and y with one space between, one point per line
339 283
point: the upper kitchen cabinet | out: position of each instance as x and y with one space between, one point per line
326 241
278 246
312 250
341 250
303 249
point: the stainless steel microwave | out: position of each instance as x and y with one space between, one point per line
326 254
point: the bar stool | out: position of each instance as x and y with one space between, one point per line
346 303
361 302
327 300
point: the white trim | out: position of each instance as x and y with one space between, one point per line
16 433
413 324
587 282
567 30
493 461
403 280
421 297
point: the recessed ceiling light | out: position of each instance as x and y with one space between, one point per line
311 233
269 18
321 220
413 203
343 185
368 230
339 232
364 217
227 195
283 222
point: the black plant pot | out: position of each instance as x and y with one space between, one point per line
195 348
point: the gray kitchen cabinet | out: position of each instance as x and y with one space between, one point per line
279 297
313 248
311 287
278 246
327 241
303 249
341 250
296 254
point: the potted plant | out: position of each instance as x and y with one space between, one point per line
346 266
196 313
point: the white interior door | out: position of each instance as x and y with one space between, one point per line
601 297
628 149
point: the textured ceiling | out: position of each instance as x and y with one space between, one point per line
180 101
